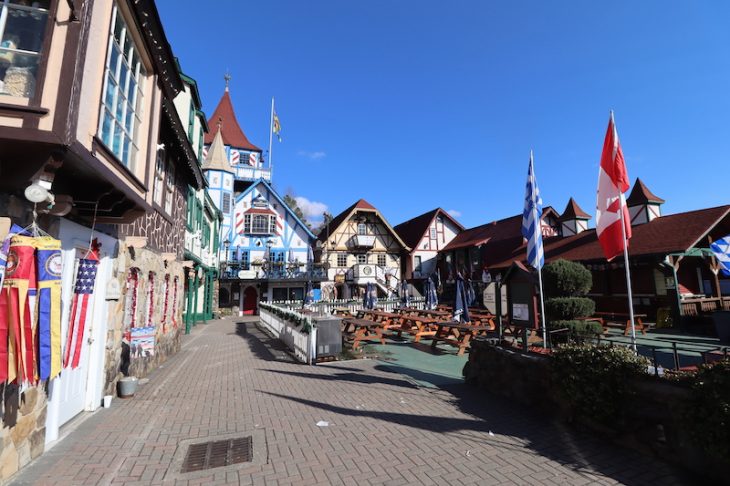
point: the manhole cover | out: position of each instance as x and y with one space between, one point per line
219 453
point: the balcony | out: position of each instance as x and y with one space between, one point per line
362 241
252 173
272 271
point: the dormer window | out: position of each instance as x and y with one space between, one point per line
362 229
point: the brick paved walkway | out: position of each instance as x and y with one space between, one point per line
382 429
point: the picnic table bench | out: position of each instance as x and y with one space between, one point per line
388 319
616 319
417 326
456 334
362 330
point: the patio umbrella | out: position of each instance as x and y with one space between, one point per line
373 295
471 296
369 299
461 306
308 293
346 294
405 298
429 291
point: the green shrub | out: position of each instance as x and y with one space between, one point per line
563 278
596 381
708 411
566 308
577 327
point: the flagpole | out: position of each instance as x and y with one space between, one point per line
271 140
537 225
626 258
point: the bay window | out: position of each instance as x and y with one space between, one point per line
22 30
121 108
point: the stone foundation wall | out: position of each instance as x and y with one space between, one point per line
24 428
119 360
654 422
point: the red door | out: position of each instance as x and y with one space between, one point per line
250 300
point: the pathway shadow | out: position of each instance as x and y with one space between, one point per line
489 414
262 345
364 378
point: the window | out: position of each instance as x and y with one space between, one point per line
362 258
417 264
22 28
260 224
170 188
150 300
381 260
200 144
130 301
159 177
272 224
247 223
433 233
165 303
362 229
191 207
244 260
122 98
226 203
206 235
191 122
342 259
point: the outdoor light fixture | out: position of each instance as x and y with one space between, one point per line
36 193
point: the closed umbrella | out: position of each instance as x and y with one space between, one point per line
405 298
471 296
346 294
373 292
461 306
308 293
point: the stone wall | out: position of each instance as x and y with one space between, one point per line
24 427
119 360
653 418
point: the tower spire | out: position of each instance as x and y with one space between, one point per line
227 78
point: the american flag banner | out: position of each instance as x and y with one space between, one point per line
235 157
80 309
531 220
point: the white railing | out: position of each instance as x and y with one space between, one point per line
301 343
381 276
327 307
253 173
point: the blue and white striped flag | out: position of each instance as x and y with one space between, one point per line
721 249
531 220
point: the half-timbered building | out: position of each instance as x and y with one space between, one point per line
425 235
359 246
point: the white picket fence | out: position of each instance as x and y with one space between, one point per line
302 344
329 306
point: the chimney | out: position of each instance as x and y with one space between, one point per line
643 205
573 220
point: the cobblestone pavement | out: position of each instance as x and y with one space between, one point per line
228 381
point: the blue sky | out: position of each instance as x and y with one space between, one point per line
415 104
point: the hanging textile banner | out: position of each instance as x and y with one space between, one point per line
142 342
5 307
80 308
19 280
49 306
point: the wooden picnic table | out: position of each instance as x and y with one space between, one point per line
456 333
434 313
606 318
362 330
417 326
388 319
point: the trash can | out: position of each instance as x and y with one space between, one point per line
721 319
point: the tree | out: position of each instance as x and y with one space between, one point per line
291 201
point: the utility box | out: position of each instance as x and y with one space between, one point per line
521 296
329 336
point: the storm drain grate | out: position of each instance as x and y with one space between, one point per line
220 453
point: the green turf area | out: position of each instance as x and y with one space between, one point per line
427 367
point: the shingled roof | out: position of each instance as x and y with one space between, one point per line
361 205
412 231
502 229
641 194
674 233
231 130
216 158
573 211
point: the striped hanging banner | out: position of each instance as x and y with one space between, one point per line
80 309
721 249
49 306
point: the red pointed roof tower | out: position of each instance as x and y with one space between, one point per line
230 129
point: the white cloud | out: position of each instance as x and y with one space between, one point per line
454 213
312 209
316 155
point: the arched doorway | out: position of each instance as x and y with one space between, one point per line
250 300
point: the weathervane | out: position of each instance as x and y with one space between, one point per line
227 77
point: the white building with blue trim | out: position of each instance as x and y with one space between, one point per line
265 248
